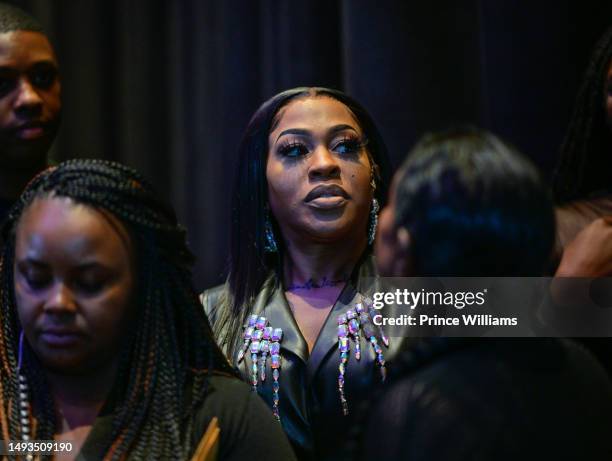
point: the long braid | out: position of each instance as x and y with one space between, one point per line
586 154
171 350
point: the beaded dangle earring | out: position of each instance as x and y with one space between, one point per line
373 221
23 403
270 245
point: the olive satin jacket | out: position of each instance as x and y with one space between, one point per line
309 402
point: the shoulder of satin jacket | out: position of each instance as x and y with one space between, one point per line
309 401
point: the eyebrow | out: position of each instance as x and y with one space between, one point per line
304 132
43 63
38 263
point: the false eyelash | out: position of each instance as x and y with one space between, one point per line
285 148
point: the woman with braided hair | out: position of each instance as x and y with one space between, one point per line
102 340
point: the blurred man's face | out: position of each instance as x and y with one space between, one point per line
30 104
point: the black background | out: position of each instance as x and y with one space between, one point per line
168 86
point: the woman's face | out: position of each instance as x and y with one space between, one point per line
608 96
318 172
73 284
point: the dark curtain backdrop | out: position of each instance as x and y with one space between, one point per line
168 86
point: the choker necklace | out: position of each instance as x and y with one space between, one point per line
312 284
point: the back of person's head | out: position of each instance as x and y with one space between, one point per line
473 206
13 19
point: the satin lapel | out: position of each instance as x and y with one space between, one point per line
272 304
327 341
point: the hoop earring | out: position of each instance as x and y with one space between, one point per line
373 221
270 245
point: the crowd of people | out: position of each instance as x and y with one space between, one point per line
105 343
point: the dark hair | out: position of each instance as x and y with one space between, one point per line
473 207
163 373
249 265
585 163
13 19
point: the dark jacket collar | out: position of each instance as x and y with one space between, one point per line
272 304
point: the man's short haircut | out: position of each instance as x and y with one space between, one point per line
13 19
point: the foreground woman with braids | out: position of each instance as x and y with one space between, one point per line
312 174
103 342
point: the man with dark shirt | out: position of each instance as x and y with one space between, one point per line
30 104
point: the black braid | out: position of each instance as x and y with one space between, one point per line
171 351
585 161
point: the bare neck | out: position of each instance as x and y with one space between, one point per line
79 398
320 265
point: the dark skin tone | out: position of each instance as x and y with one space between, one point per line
73 286
317 142
30 107
589 254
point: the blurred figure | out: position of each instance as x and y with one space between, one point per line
30 104
582 184
466 204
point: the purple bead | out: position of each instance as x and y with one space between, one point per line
359 308
364 318
353 326
248 332
254 347
342 331
261 323
277 334
350 314
265 346
275 361
341 319
344 344
252 320
267 334
274 348
257 335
